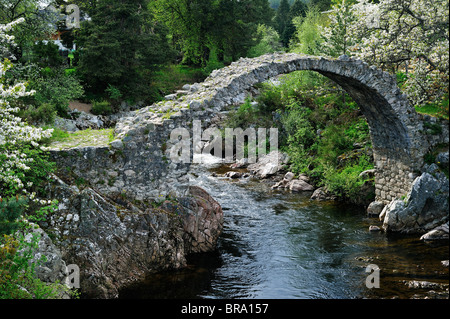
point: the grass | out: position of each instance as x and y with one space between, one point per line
439 110
64 140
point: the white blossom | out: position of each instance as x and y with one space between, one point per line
13 131
411 36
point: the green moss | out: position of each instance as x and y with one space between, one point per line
111 181
80 182
433 128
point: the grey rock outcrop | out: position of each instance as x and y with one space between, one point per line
374 229
88 121
295 185
65 124
233 175
50 265
368 174
321 195
425 208
284 183
443 159
299 185
79 121
114 242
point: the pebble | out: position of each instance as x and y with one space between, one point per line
374 229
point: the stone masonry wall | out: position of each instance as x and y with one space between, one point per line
395 175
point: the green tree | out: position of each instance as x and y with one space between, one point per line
338 37
276 3
222 29
239 26
10 211
121 46
298 9
322 5
87 6
282 22
269 41
308 38
55 88
46 54
36 26
190 23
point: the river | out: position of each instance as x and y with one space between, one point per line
280 245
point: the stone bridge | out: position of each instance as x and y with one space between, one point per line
138 163
107 220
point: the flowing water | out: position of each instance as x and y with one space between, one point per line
278 245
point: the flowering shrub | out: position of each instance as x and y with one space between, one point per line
408 36
15 135
23 167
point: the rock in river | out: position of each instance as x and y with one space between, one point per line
115 242
269 164
425 208
299 185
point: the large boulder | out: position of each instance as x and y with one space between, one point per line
284 183
115 242
443 159
375 209
202 221
425 208
79 121
88 121
321 194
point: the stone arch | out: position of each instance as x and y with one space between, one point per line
394 126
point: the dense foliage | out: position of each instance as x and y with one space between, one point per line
410 37
326 136
207 29
23 170
140 49
120 47
323 131
143 50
